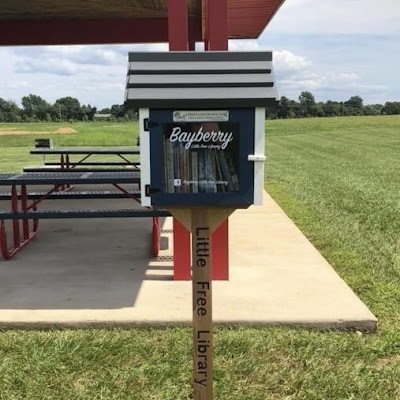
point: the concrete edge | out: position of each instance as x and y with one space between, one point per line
349 325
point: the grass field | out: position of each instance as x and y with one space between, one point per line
339 180
88 134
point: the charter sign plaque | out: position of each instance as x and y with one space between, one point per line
201 116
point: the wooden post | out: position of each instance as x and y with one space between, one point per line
202 305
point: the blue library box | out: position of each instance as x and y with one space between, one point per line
202 126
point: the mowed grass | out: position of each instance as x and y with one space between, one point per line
88 133
16 156
339 179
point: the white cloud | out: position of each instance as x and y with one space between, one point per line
337 16
287 62
17 85
47 65
296 73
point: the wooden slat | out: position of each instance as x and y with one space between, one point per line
248 18
28 9
38 9
90 31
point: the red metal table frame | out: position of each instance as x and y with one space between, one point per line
86 152
19 201
65 162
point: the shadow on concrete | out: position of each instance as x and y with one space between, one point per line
81 264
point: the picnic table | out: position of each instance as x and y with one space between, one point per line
65 153
24 203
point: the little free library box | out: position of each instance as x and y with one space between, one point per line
202 125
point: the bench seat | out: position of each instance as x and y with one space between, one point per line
88 194
70 214
93 164
77 170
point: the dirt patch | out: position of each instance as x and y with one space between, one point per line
59 131
65 130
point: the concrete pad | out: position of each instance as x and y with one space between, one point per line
81 273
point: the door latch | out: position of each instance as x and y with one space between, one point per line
148 191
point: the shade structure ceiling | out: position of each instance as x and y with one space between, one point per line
118 21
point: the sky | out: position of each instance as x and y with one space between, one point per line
335 49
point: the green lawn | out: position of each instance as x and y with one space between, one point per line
16 156
339 179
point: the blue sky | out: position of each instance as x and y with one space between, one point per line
334 48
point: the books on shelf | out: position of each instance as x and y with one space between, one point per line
206 162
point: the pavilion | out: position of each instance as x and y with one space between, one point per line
180 23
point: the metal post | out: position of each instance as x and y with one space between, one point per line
24 207
15 222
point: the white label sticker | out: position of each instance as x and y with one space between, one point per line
177 182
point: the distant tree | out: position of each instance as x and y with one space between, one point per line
373 109
332 108
9 111
35 108
271 112
132 113
294 109
87 112
91 112
69 108
391 108
320 110
355 102
354 106
118 110
307 104
283 108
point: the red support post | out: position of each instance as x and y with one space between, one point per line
217 25
62 166
220 252
182 270
179 41
156 236
15 222
68 167
216 38
24 207
178 36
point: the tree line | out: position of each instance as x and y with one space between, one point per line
66 109
69 109
306 106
